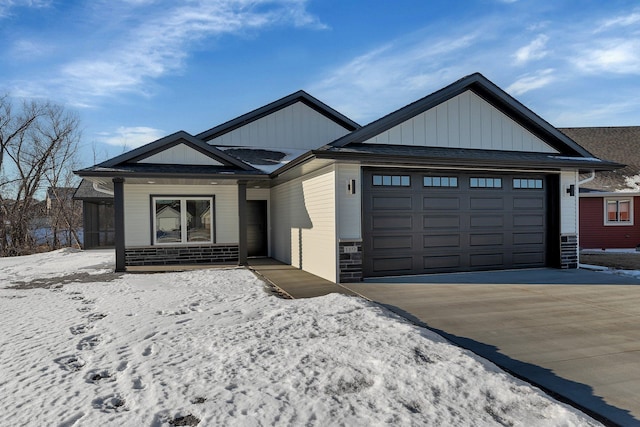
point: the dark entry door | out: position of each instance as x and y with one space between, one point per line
257 228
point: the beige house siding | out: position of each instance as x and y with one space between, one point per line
296 126
465 121
349 206
304 225
137 206
568 204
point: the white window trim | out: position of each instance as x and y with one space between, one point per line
183 220
618 223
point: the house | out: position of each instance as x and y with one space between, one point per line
464 179
97 216
610 202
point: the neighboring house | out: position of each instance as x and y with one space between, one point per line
464 179
97 216
610 203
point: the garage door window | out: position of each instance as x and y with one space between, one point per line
391 180
527 183
485 182
618 212
440 181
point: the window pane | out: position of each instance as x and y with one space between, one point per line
445 181
427 181
377 180
453 181
497 182
474 182
405 181
436 181
612 210
538 183
168 225
516 183
386 180
198 221
482 182
624 208
395 180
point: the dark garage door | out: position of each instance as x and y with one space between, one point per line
417 222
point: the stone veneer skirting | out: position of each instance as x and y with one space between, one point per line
172 255
569 251
350 261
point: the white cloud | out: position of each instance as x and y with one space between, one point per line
159 39
531 81
620 21
394 72
619 56
532 51
7 5
131 137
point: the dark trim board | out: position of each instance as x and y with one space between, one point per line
152 212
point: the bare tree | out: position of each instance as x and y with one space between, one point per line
38 145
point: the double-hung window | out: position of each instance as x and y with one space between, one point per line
182 220
618 211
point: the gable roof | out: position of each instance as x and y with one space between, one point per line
484 88
180 137
616 143
299 96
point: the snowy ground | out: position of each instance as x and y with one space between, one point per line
214 346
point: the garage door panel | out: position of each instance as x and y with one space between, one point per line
528 220
486 239
440 203
441 241
440 222
392 242
492 260
391 203
391 222
528 259
536 202
487 221
397 264
486 203
441 262
528 238
425 229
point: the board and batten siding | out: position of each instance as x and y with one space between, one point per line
464 121
568 203
304 225
295 126
181 155
349 206
137 207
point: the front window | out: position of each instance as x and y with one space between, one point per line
618 212
183 220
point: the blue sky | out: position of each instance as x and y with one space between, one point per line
136 70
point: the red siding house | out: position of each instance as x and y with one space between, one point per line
609 207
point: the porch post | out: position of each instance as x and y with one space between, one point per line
242 223
118 207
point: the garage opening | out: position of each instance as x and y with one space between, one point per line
417 222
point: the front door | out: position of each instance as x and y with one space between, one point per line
257 228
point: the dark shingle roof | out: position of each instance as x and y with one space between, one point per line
85 191
618 144
460 157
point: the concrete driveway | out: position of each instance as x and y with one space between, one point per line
572 332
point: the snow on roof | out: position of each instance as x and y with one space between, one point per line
266 160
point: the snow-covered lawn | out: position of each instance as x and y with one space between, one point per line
215 346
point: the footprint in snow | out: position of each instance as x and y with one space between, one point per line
80 329
110 404
138 384
71 363
84 309
93 317
95 375
148 351
89 342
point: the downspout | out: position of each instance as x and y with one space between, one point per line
589 179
